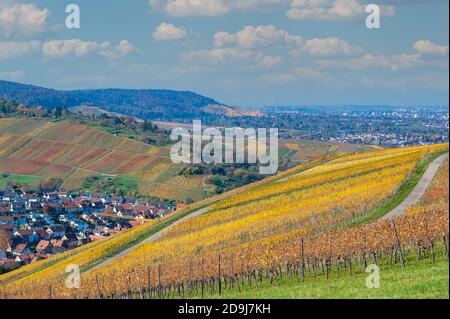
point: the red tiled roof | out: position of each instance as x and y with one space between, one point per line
42 233
25 257
26 232
57 243
7 227
43 245
20 248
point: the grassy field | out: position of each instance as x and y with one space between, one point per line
419 279
6 178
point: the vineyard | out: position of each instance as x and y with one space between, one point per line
290 225
74 153
66 155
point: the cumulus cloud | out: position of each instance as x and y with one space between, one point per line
258 37
328 47
301 73
374 61
22 19
75 47
169 32
429 48
79 48
234 55
123 49
210 8
257 44
14 49
249 46
331 9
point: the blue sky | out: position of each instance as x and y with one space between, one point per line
240 52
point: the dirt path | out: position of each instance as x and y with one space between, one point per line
151 239
417 193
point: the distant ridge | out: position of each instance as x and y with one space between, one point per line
145 104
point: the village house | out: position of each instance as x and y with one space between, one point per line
34 207
27 235
53 208
13 220
31 198
41 225
43 246
21 249
25 258
9 196
18 208
73 208
5 208
57 246
8 228
56 231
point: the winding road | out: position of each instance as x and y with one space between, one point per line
412 199
151 238
418 191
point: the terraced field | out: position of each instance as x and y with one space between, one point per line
73 153
257 232
66 155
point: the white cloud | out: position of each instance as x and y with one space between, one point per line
429 48
331 9
168 32
79 48
210 8
270 61
328 47
301 73
258 37
14 49
123 49
249 46
12 75
75 47
22 19
227 56
374 61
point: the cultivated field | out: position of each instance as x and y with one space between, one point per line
294 224
73 153
66 155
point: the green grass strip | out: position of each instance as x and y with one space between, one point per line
400 195
418 280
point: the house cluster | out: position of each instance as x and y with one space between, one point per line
139 211
36 226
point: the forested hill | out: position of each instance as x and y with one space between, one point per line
149 104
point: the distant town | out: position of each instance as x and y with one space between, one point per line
37 226
386 126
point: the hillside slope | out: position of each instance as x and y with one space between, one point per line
69 154
145 104
256 231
